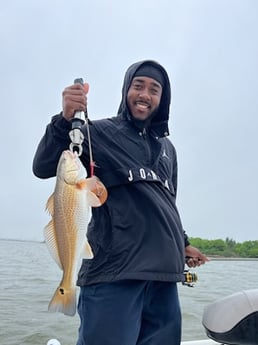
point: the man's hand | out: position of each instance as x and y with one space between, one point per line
194 257
74 99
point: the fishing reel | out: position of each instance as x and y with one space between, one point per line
190 278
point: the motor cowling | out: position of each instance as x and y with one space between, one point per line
233 319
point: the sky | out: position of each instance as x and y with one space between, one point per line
210 50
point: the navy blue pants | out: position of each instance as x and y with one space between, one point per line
129 312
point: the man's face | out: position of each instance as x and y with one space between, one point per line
143 97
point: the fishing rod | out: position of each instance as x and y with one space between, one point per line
77 137
76 134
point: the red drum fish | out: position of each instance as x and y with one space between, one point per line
66 234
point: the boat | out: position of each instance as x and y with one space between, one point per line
200 342
231 320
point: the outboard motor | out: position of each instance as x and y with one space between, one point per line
233 319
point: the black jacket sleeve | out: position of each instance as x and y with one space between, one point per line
53 143
174 182
187 242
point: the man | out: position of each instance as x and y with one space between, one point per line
128 290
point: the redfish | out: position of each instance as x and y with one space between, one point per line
66 234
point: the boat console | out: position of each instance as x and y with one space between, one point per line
233 319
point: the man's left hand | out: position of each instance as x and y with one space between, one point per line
194 257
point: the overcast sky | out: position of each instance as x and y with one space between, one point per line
210 50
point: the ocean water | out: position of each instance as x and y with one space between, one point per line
29 277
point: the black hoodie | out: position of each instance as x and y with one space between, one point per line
137 233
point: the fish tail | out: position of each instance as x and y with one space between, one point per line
63 301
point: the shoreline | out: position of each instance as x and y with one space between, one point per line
231 258
211 257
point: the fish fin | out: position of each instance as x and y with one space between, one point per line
50 239
93 199
97 193
92 182
82 184
87 253
63 301
98 188
89 183
50 205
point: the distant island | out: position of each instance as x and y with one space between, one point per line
217 249
228 248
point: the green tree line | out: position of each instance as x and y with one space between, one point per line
226 248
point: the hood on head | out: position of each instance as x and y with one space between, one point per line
159 122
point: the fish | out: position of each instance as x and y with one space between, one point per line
66 234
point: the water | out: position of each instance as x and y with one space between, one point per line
29 277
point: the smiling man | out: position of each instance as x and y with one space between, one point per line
145 92
128 291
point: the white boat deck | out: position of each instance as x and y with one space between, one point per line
195 342
200 342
